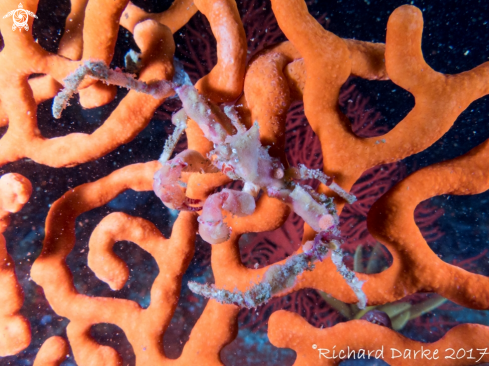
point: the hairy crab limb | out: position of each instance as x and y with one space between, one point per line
317 210
233 116
99 71
179 119
212 228
303 172
166 182
281 277
212 121
350 278
277 279
320 216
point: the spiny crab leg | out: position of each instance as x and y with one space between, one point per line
214 123
99 71
277 277
322 238
303 172
179 119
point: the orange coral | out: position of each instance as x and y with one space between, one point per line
15 191
411 135
330 346
143 327
313 65
22 57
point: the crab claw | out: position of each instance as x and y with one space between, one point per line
191 201
166 181
166 187
212 228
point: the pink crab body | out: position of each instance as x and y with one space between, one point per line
246 158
